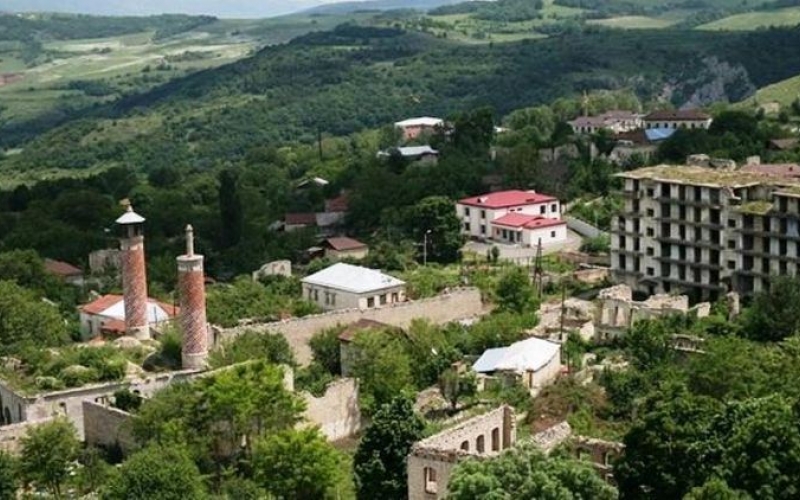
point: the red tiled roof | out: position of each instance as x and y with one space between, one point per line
301 219
349 333
676 115
789 170
60 268
342 243
338 204
99 305
526 221
504 199
637 136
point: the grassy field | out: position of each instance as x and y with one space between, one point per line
755 20
633 22
784 92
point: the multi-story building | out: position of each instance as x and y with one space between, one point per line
705 231
677 118
516 217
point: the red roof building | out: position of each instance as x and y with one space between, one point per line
106 314
66 272
507 199
526 221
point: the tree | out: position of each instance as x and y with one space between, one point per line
434 222
296 464
773 316
379 464
515 293
156 473
8 477
230 207
382 365
27 321
716 489
325 348
474 130
454 385
524 472
48 451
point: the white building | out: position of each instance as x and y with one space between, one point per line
344 286
616 121
533 362
520 217
107 315
415 127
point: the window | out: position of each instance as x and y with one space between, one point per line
731 223
542 209
316 295
466 211
466 226
333 299
651 192
651 271
430 480
731 264
554 207
496 439
552 234
650 251
483 214
650 212
480 444
731 244
649 231
465 445
383 299
371 302
483 229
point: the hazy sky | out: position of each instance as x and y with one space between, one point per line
219 8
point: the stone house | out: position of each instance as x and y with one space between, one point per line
431 461
413 128
342 247
344 286
346 349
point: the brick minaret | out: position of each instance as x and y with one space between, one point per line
134 274
191 286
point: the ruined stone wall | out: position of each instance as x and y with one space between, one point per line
337 412
602 454
11 435
435 457
105 426
458 304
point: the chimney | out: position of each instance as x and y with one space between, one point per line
134 274
191 287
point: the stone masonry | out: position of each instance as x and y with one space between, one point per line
191 286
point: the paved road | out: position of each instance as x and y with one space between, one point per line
520 254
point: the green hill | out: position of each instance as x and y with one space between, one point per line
755 20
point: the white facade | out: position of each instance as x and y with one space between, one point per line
344 286
530 237
476 217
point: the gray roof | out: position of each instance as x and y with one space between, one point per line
130 217
526 355
355 279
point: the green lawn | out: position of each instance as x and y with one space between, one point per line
633 22
784 92
755 20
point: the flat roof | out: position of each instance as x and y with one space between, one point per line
705 176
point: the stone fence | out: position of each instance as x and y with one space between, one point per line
337 412
107 427
583 228
451 306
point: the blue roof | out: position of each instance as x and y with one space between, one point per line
659 134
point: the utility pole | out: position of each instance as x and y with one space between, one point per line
425 247
538 270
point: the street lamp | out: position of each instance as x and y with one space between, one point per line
425 247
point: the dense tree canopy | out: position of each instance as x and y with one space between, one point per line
156 473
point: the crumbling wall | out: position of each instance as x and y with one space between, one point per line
457 304
107 427
11 435
337 412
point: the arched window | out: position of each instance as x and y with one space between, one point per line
465 446
7 413
430 480
496 439
479 444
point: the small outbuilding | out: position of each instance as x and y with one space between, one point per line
342 247
533 362
344 286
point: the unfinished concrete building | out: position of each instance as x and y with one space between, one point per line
706 231
431 461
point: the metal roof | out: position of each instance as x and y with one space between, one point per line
130 217
526 355
355 279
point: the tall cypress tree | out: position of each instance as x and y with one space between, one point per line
230 209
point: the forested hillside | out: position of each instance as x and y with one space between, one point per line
358 77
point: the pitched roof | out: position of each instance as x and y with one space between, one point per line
410 151
353 329
784 144
342 243
677 115
423 121
301 219
526 221
526 355
355 279
504 199
338 204
60 268
113 306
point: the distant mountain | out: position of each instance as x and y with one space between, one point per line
219 8
348 7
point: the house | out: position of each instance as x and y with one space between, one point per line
64 271
412 128
346 352
615 121
533 362
677 118
343 247
302 220
634 143
487 216
421 154
344 286
106 315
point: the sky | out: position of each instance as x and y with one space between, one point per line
219 8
